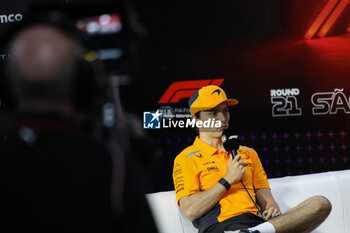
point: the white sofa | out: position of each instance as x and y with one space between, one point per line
288 192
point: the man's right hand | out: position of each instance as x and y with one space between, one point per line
197 204
235 170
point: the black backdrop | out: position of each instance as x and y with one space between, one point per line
255 46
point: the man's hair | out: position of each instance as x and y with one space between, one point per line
57 85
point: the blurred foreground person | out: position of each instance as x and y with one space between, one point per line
53 177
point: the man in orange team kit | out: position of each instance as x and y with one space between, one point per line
208 179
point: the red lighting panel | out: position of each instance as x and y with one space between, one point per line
326 19
320 19
331 20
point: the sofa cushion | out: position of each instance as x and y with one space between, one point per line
291 191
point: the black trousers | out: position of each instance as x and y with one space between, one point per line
239 222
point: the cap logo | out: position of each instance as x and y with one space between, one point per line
218 91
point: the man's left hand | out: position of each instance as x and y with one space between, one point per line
271 213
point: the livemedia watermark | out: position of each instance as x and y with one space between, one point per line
154 120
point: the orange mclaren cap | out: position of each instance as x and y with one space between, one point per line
208 97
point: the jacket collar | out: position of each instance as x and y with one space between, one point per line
204 147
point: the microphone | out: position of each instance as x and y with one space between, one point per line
231 143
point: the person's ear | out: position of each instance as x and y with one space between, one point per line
194 117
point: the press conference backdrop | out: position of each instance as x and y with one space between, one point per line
294 92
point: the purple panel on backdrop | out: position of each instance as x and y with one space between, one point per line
253 137
343 146
287 149
297 135
320 147
299 160
330 134
308 135
322 159
311 160
342 134
309 147
277 161
288 161
274 136
333 159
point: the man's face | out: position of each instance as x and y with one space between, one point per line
219 113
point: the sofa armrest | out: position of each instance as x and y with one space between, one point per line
165 212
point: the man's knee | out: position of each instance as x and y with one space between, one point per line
321 205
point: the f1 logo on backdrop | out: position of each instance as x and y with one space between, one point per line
185 89
285 103
327 18
330 102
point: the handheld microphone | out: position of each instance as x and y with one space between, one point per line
231 143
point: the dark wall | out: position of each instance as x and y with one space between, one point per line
255 46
